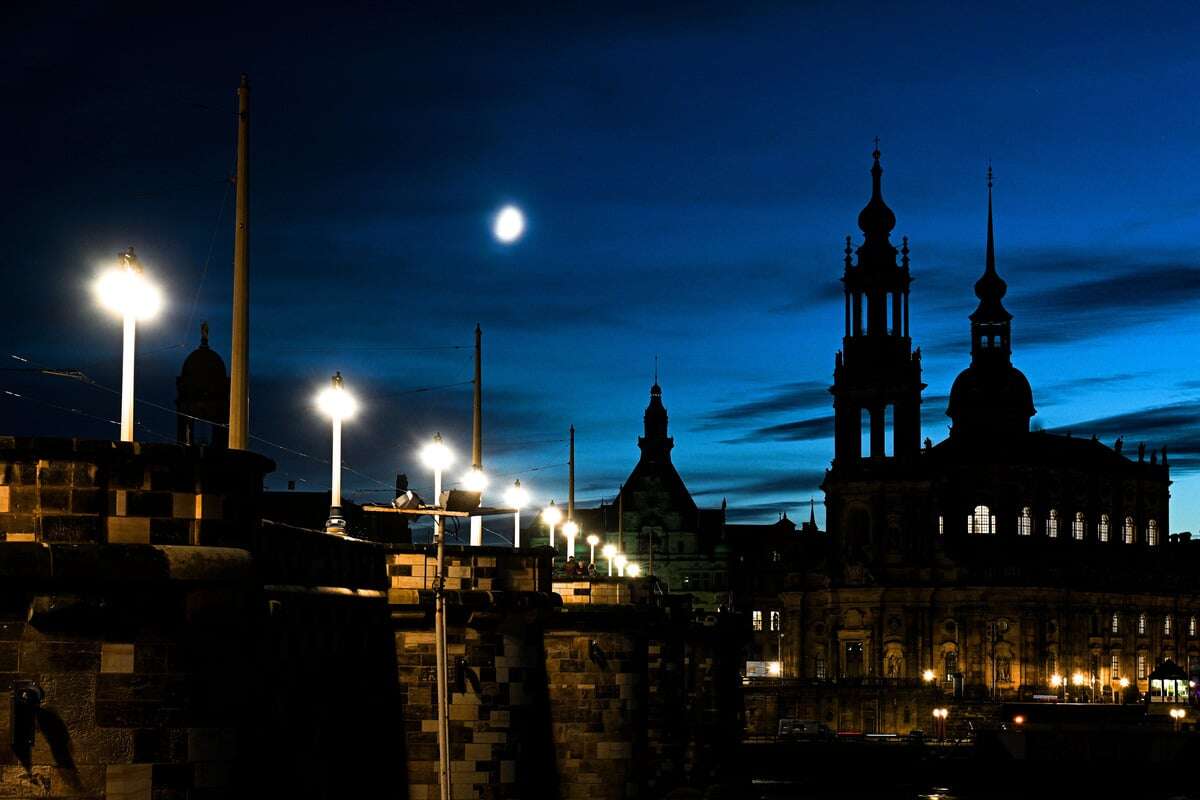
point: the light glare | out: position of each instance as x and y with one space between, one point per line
571 528
436 455
516 496
475 480
633 570
126 291
337 403
551 515
609 550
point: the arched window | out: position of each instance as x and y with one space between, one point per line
1025 522
1167 625
1052 524
1116 622
951 663
1152 533
981 521
1077 526
1129 534
1191 626
1141 624
1102 528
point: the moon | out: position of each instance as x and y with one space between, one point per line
509 225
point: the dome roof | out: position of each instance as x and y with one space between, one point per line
995 397
203 365
876 219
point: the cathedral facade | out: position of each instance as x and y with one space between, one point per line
1000 563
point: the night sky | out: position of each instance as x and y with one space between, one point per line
688 175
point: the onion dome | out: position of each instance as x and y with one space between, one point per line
876 219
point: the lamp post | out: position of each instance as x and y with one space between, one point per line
609 551
620 560
338 405
551 515
592 541
1077 680
1057 681
438 457
516 497
570 530
124 290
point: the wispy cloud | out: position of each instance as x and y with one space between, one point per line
1177 426
787 397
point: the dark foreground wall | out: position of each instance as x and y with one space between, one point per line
168 666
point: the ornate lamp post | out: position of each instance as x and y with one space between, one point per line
516 497
124 290
338 405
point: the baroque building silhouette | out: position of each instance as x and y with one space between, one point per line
996 564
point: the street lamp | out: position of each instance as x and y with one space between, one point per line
1077 680
592 541
928 676
336 403
124 290
517 498
438 457
570 530
620 560
551 515
939 716
609 551
632 570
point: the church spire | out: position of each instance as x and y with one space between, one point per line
876 220
656 444
990 320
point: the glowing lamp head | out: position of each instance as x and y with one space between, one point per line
516 496
1077 679
927 676
570 529
593 540
620 560
436 455
551 515
475 480
1056 680
1019 719
1124 683
774 668
508 225
609 550
123 289
335 402
633 570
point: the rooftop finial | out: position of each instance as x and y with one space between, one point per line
876 153
849 252
204 334
904 252
876 220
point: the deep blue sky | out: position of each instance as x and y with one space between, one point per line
688 173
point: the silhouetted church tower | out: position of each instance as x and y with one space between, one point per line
655 444
991 398
202 391
877 376
871 490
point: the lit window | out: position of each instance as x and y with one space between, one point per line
1116 622
951 664
1167 625
941 525
1102 528
776 620
1116 667
756 620
1078 525
1192 626
1052 524
1141 666
1141 624
819 667
1152 533
1129 534
982 521
1025 522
